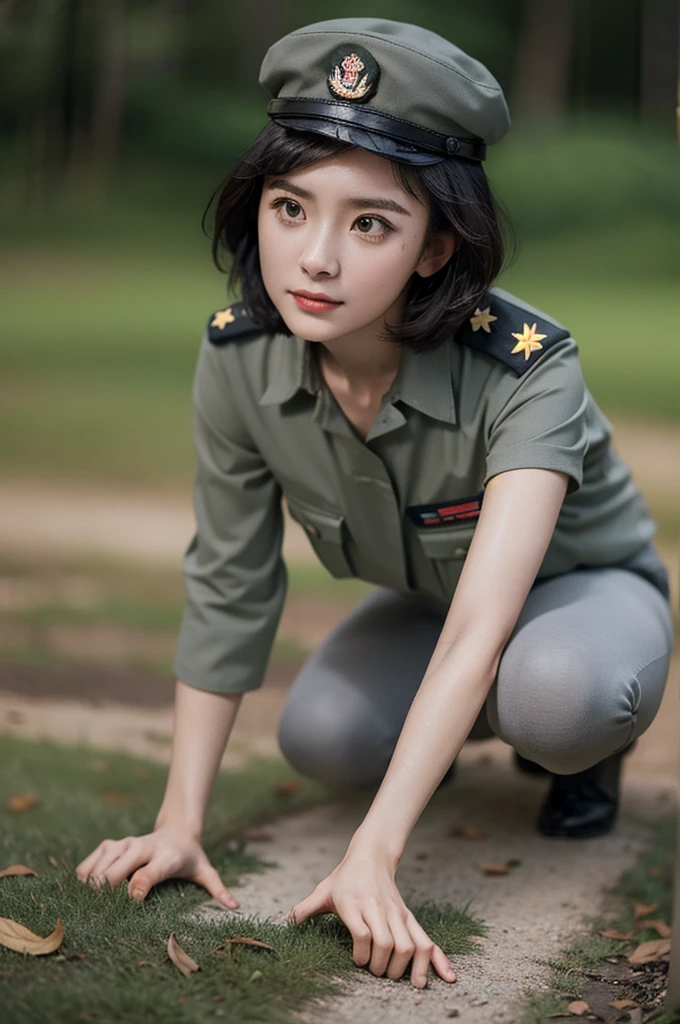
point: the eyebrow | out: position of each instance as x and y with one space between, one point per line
355 202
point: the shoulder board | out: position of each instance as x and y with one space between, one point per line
513 333
227 324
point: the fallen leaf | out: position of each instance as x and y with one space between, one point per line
15 936
61 887
144 963
53 860
255 976
654 871
243 940
259 835
658 925
180 959
114 796
495 869
17 869
578 1007
21 802
645 909
469 832
422 855
623 1004
611 933
649 951
287 788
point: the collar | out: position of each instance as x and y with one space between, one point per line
422 382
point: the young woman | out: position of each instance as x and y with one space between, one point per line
434 436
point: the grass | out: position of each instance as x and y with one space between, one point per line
113 965
649 881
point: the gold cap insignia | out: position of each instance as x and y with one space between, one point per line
482 318
528 340
222 318
354 73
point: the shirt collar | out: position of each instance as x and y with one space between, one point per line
423 381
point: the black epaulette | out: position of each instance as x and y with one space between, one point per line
507 331
227 324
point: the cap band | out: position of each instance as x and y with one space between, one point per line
378 122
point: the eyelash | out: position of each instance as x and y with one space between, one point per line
279 203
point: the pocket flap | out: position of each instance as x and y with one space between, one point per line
318 523
446 542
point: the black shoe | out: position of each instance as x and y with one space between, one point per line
584 804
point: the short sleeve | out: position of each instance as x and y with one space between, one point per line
234 574
542 424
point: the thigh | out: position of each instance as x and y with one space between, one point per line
585 668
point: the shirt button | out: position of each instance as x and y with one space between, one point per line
311 530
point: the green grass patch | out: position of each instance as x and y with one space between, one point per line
649 881
113 965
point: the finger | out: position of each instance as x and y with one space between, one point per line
361 935
404 946
316 903
423 953
382 940
209 878
134 857
443 965
85 867
107 858
146 877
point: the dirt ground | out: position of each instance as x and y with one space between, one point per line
533 912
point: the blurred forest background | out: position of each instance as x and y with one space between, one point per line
118 120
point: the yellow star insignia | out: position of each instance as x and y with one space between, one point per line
528 340
482 318
221 319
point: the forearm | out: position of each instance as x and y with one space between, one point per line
202 725
451 695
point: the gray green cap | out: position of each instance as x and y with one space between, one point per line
393 88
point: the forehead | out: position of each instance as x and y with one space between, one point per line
345 173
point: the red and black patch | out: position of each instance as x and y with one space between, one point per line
443 512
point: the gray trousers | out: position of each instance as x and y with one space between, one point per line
582 675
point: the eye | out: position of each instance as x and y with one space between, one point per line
287 209
366 225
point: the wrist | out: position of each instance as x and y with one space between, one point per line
364 843
176 818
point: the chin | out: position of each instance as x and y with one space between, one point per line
312 328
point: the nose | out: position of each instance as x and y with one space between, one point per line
318 257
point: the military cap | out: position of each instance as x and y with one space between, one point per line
393 88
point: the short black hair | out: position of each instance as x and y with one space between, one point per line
460 197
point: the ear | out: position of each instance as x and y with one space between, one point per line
437 254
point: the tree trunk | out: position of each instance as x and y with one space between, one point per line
543 58
659 60
109 100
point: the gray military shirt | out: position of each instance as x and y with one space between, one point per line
400 508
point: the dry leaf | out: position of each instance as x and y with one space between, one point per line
259 835
21 802
15 936
649 951
470 832
645 909
495 869
180 959
53 860
660 926
18 869
623 1004
611 933
243 940
287 787
654 871
114 796
578 1007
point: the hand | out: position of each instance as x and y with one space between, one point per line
167 852
363 893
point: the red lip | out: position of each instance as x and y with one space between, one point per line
317 296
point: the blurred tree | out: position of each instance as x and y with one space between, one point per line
543 58
659 60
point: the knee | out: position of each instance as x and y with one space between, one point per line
333 746
565 710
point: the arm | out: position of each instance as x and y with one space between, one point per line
515 526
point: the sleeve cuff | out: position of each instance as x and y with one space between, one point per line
527 455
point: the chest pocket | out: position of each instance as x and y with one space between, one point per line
327 533
446 548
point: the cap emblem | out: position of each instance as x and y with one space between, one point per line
354 73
